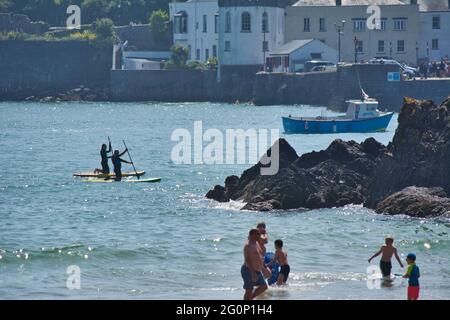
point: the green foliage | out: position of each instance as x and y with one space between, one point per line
158 23
13 35
212 63
196 65
103 29
85 35
121 12
179 56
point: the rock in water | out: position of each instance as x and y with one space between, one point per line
333 177
416 202
419 154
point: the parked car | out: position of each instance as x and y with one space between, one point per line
309 65
324 68
409 71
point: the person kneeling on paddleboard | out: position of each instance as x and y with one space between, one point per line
117 162
104 155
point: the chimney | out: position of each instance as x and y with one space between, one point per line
414 2
339 3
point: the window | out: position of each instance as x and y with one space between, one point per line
197 54
435 44
400 24
245 22
214 51
228 22
381 24
205 23
306 25
380 45
216 23
265 22
181 22
265 46
206 54
322 25
359 25
227 46
359 46
400 45
436 22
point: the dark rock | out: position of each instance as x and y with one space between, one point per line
416 202
333 177
419 154
218 194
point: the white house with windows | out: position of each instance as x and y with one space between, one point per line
395 34
249 29
434 42
195 26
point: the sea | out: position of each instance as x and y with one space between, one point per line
64 238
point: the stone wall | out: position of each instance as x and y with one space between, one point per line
334 88
21 23
163 85
50 67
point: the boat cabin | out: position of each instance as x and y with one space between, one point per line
359 109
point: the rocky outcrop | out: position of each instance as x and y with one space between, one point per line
81 93
410 176
416 202
419 153
333 177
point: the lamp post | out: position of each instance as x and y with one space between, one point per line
417 53
390 50
355 41
340 31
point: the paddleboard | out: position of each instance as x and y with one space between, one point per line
88 174
149 180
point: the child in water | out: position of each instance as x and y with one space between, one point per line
281 258
387 251
413 275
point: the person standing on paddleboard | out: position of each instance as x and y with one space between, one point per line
117 162
104 155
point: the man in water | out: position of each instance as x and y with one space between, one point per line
117 162
104 155
251 270
387 252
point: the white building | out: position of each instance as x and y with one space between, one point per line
434 41
195 26
291 56
249 29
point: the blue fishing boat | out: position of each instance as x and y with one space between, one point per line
362 116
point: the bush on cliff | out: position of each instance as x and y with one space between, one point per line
158 24
104 32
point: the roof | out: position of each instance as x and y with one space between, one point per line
291 46
306 3
432 5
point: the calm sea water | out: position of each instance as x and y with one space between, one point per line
166 241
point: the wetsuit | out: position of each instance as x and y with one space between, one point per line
117 162
104 155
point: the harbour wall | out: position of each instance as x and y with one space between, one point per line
334 88
50 67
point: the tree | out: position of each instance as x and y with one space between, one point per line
179 56
158 24
104 29
5 5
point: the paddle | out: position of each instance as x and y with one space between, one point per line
129 155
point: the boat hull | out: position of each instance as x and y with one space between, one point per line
316 126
